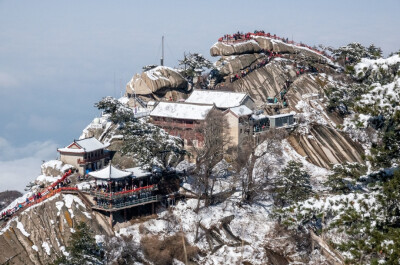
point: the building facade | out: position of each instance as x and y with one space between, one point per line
182 119
86 155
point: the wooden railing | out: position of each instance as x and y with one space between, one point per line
144 200
122 194
25 205
92 159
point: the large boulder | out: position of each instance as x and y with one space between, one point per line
223 49
281 47
265 81
233 64
274 45
158 80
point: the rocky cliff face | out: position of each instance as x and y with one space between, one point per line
304 75
39 234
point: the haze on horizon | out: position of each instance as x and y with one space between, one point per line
58 58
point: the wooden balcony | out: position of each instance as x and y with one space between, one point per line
92 159
108 207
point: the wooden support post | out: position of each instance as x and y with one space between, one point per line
125 214
111 219
152 208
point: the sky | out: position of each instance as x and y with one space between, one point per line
58 58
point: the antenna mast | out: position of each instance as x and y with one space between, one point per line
162 53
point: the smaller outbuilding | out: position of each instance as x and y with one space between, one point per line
281 120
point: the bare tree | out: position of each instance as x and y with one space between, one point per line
255 159
216 139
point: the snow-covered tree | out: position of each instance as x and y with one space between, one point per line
216 139
292 184
82 248
119 113
351 53
147 144
344 176
254 163
374 52
193 62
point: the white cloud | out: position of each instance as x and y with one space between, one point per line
7 81
20 165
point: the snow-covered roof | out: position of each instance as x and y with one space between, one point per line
181 110
280 115
110 172
241 110
221 99
138 172
84 145
259 116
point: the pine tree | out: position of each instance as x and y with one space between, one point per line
150 145
375 52
344 176
292 184
119 113
82 248
194 61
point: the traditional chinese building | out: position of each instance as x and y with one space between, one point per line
182 119
223 100
118 190
86 155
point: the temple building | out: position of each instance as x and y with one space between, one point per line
223 100
86 155
117 190
182 119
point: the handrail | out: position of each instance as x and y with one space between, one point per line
128 203
23 206
121 193
45 193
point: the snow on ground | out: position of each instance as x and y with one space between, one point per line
251 223
34 247
312 111
384 97
318 174
99 238
21 228
56 164
69 199
47 179
124 100
59 206
375 64
46 247
155 73
85 185
65 253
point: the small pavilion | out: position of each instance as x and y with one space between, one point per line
120 190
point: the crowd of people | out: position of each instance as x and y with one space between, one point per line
37 196
240 36
247 70
120 201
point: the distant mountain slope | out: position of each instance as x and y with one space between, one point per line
6 197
